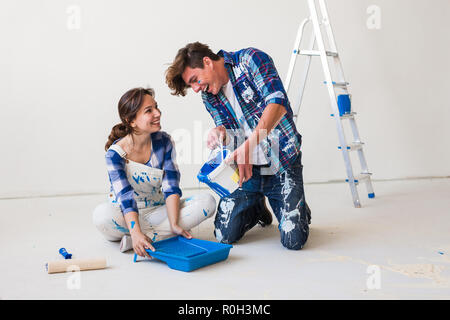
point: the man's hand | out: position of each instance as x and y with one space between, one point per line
271 116
216 136
242 157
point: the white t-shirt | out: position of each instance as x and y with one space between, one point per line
259 157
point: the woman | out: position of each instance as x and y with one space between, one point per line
144 204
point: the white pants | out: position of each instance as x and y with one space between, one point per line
154 222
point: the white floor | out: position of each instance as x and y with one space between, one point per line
403 233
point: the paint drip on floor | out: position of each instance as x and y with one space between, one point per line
427 271
420 271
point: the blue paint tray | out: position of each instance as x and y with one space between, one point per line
188 254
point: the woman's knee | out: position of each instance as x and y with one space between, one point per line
206 202
210 203
103 216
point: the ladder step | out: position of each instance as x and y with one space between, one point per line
353 146
362 177
346 115
315 53
339 84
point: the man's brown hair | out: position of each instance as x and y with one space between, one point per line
190 56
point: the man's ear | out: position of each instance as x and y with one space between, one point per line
207 62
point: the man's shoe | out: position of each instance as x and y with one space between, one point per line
265 217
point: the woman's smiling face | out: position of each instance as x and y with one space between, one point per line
148 117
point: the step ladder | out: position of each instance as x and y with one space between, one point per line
340 103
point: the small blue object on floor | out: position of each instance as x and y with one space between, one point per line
188 254
65 254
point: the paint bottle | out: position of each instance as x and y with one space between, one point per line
65 254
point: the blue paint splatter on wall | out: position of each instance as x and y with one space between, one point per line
120 228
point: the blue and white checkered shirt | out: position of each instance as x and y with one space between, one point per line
163 157
257 84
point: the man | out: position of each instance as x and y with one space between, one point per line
246 99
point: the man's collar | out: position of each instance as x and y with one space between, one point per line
226 57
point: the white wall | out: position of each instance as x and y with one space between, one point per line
60 87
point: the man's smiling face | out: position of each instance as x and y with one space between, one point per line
204 79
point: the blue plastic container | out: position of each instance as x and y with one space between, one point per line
188 254
344 104
220 177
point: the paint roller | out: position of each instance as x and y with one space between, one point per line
75 265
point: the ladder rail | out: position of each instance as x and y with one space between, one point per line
362 158
326 23
332 42
306 66
296 48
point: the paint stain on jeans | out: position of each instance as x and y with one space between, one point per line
226 206
286 223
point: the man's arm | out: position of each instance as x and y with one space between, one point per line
270 117
261 70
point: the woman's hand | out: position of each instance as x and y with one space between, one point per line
140 243
173 213
180 231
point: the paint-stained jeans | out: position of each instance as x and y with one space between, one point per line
154 221
240 211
